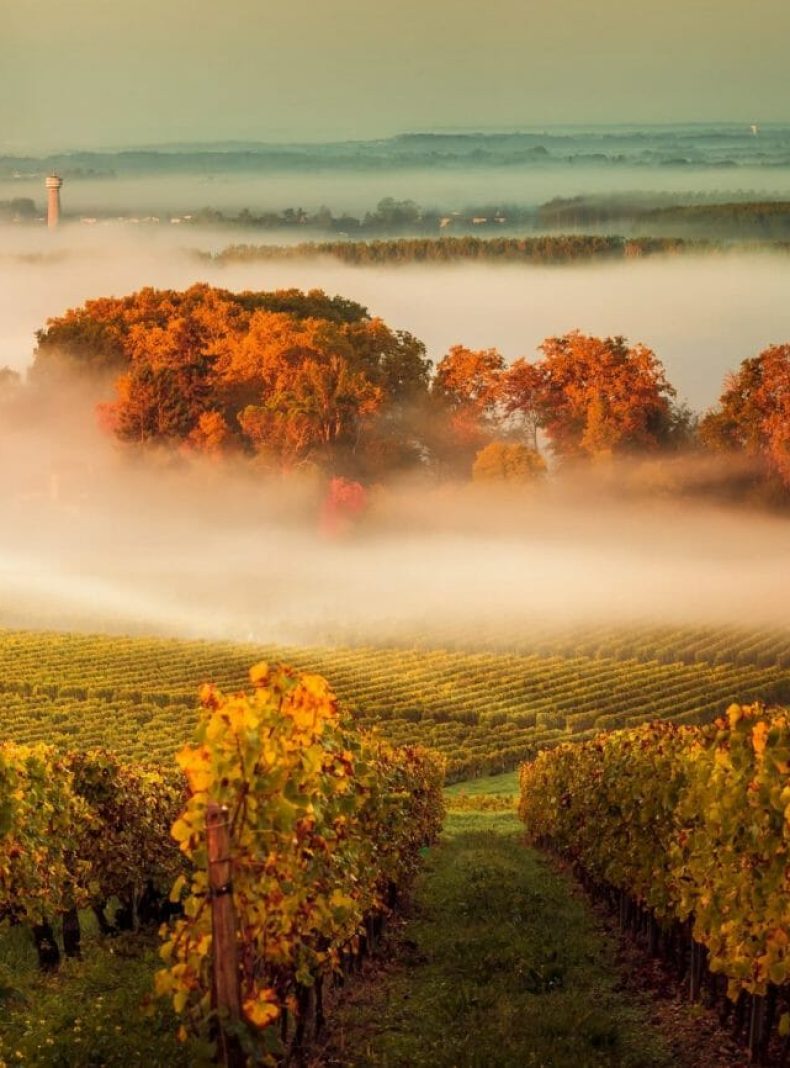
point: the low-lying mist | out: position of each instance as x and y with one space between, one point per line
355 191
93 537
701 315
97 538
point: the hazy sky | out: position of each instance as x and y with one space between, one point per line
107 72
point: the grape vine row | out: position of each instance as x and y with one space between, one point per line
485 711
326 827
691 824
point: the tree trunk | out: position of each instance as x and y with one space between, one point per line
46 947
72 934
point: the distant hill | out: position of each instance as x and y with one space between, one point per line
718 146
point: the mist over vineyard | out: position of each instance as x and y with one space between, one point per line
209 553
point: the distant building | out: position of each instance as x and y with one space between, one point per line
53 184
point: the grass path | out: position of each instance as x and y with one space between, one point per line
499 964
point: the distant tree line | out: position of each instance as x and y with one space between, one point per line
291 379
715 146
762 220
565 248
18 209
634 215
390 216
641 214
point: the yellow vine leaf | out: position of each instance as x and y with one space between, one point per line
261 1010
760 737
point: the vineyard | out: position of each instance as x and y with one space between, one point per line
671 817
687 828
484 710
324 825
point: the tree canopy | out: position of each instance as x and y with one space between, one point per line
753 414
295 378
504 461
292 377
600 396
591 396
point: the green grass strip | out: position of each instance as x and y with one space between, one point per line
500 963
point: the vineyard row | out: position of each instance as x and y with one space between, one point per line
690 826
484 711
325 824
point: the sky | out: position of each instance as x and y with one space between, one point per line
101 73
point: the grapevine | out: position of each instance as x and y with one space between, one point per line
691 824
325 823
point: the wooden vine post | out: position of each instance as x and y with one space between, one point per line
226 996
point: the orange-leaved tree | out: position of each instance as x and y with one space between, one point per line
467 395
292 376
754 412
595 396
304 398
165 391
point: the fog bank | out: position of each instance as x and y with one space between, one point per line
359 191
94 540
701 315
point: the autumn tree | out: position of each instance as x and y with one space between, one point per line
594 396
311 387
96 340
508 461
522 398
165 392
211 436
753 414
344 504
93 340
397 364
85 341
295 388
466 393
312 413
287 374
394 360
470 378
314 304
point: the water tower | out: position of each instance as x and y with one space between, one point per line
53 184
